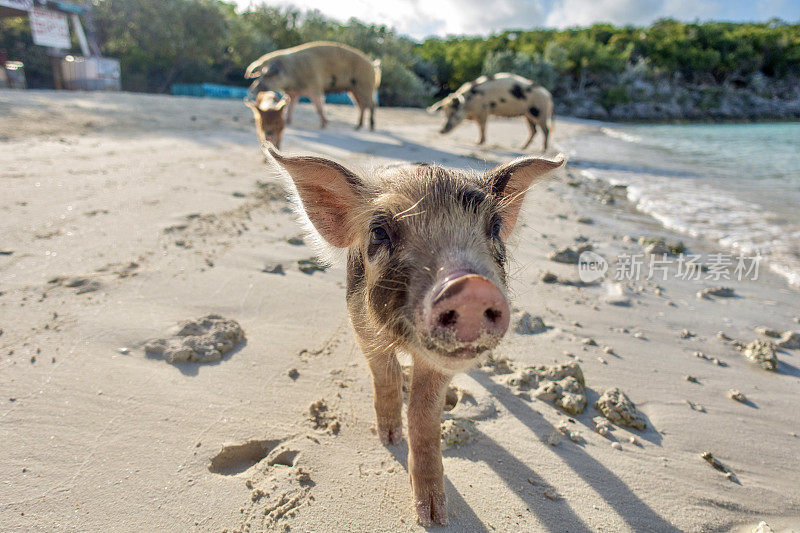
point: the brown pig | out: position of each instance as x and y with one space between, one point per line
268 113
316 69
426 276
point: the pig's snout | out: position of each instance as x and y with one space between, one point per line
465 308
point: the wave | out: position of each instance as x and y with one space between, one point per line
734 185
703 211
621 135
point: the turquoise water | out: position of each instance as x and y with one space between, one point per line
735 184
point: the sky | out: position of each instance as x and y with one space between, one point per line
425 18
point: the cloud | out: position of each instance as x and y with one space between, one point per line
566 13
423 18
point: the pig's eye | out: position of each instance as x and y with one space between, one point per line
497 227
379 236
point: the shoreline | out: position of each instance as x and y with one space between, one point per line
559 117
156 207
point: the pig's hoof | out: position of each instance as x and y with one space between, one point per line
390 433
432 509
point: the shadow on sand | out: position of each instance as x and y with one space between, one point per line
554 514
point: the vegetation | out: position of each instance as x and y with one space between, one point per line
601 71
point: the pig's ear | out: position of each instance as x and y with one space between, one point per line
254 68
435 107
327 194
511 181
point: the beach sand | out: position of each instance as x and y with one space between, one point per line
124 215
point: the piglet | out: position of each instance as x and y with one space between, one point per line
268 110
427 270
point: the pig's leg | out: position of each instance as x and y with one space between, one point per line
293 98
546 132
361 108
425 405
482 127
372 105
317 99
387 387
532 127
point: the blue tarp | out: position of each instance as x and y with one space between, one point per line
212 90
209 90
333 98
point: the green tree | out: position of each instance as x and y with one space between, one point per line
161 41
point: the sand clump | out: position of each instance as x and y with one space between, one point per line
602 426
716 361
564 429
709 457
529 325
562 385
790 340
718 292
274 268
322 418
568 255
763 527
762 353
737 396
498 364
695 406
767 332
203 340
549 277
619 409
311 265
658 246
457 431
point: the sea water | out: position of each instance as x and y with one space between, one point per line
734 184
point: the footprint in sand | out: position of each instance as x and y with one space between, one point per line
278 485
234 459
311 265
80 284
326 350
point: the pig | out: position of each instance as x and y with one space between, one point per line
427 270
502 95
268 113
313 69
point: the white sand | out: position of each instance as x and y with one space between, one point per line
99 440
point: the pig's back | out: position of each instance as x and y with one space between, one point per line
330 66
505 95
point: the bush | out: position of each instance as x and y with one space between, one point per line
615 96
535 67
401 87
